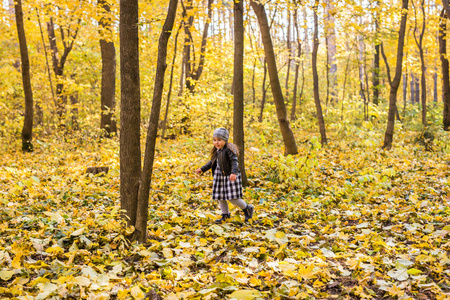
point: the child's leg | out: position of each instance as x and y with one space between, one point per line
223 204
247 209
239 203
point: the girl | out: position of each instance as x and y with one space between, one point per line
227 184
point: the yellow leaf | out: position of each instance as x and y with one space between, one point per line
245 294
255 281
424 258
414 272
55 250
137 293
281 238
167 253
77 232
6 275
288 269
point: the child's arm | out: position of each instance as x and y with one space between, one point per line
204 168
234 161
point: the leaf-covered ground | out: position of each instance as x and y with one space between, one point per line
348 221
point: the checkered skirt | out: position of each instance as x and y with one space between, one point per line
224 189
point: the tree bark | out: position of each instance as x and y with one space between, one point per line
289 49
108 88
297 66
130 150
59 62
331 49
27 129
238 79
389 134
192 73
376 60
46 57
445 66
169 92
323 135
264 93
286 131
150 145
419 44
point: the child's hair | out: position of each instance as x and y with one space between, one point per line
230 146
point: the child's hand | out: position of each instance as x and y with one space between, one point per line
198 171
233 177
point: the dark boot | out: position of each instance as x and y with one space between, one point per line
223 219
248 212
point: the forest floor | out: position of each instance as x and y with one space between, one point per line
347 221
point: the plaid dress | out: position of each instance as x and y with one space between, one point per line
224 189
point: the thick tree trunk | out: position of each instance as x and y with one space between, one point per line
445 68
150 145
389 134
130 150
27 129
323 135
286 131
108 88
238 79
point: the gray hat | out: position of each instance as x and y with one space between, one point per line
222 134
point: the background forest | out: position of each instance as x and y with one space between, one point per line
341 110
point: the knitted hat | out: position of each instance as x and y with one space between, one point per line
222 134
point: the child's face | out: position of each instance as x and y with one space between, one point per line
218 143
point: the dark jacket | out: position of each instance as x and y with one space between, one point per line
227 161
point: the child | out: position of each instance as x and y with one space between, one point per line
227 184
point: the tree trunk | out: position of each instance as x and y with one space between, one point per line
108 89
238 79
264 93
150 145
323 135
306 35
405 90
445 66
46 57
376 60
419 43
297 66
416 89
289 49
286 131
389 134
331 49
164 126
27 129
188 44
130 150
74 111
59 62
193 74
